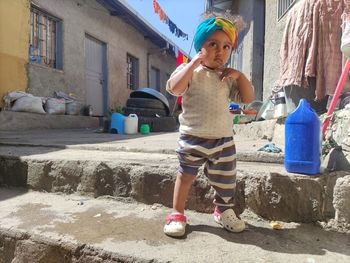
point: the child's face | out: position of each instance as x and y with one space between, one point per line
218 48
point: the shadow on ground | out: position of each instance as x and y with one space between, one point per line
304 239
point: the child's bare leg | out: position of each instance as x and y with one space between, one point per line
176 221
182 187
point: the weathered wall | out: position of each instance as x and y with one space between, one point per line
273 39
245 9
253 42
14 27
88 17
252 46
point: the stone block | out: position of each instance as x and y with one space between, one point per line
256 130
336 160
341 202
285 197
13 171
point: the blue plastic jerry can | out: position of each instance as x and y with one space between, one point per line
302 140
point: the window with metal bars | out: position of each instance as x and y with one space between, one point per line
155 78
133 72
283 6
44 44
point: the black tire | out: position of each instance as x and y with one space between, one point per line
162 124
145 103
145 112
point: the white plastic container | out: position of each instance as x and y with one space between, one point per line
131 124
280 105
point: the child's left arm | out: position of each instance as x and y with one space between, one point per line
245 89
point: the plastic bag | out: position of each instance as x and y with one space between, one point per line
55 106
73 108
62 95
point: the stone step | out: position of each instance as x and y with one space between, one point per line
266 189
46 227
89 139
23 121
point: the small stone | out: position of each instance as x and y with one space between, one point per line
310 260
155 206
275 225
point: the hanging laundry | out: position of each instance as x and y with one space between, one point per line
156 6
172 26
311 43
162 15
164 18
181 58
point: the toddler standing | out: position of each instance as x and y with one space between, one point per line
206 125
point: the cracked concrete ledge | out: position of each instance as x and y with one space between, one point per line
20 246
17 121
242 155
267 190
55 228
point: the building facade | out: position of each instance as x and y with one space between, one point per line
97 50
14 39
259 44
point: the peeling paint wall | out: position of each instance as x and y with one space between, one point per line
14 37
88 17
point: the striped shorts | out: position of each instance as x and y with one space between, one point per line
219 159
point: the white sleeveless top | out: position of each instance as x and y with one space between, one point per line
205 104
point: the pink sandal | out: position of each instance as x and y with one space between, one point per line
175 225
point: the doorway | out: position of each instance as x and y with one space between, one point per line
96 75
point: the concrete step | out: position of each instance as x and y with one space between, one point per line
143 167
268 190
90 139
46 227
24 121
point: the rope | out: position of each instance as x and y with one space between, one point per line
189 53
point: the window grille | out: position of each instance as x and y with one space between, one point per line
155 78
283 6
132 73
43 46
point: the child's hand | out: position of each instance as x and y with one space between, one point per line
246 92
230 73
199 57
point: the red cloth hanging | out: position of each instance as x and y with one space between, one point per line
156 6
181 58
162 15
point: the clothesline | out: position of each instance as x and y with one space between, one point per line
164 18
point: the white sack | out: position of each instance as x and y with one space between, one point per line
29 104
